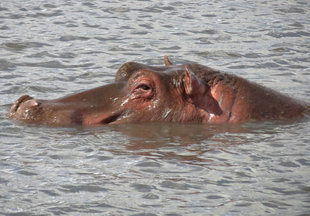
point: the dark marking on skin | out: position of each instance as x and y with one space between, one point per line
111 118
233 103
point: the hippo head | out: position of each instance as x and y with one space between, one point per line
140 93
182 93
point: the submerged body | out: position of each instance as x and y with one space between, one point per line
173 93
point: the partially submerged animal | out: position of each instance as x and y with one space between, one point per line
172 93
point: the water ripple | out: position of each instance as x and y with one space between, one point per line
54 64
50 49
17 46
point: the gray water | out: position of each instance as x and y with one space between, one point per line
52 48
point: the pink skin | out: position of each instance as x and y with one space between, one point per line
182 93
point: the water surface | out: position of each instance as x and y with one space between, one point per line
52 48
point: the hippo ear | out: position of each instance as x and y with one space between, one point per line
167 61
199 95
191 82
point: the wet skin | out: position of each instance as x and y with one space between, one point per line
188 93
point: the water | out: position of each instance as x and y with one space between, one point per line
52 48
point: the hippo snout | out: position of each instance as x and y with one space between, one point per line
22 106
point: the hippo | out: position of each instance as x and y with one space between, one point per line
187 93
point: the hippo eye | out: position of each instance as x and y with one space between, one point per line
144 87
143 90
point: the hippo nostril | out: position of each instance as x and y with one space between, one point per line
19 101
32 103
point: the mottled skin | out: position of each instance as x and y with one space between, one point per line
172 93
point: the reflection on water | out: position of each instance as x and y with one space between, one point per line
51 49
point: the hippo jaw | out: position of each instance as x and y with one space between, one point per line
92 107
29 110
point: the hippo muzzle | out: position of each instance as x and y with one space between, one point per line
92 107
